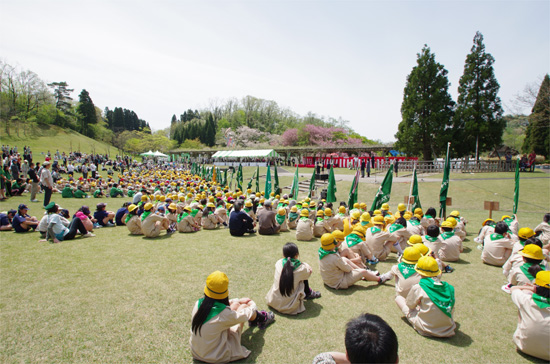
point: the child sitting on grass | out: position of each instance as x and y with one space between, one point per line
405 274
217 322
291 287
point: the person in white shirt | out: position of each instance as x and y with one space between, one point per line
46 180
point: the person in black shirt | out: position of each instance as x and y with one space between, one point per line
239 221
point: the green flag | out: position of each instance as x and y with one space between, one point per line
258 179
445 186
384 191
276 188
331 190
311 183
268 182
414 193
516 190
249 186
240 177
353 193
232 175
294 188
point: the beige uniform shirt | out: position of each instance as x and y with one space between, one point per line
485 231
426 318
496 251
450 249
320 228
134 226
532 334
222 213
361 248
284 225
292 224
402 285
415 229
401 236
220 337
332 223
172 217
251 212
375 239
434 246
336 273
209 222
517 277
186 224
293 304
339 222
149 227
304 230
544 228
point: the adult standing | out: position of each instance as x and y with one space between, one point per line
532 159
47 182
363 167
34 181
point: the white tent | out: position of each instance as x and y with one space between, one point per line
148 154
257 153
159 154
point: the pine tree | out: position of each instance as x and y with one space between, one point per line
537 136
478 122
427 108
86 113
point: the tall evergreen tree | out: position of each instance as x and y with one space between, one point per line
86 113
537 136
427 108
478 122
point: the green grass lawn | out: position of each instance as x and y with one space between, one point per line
118 298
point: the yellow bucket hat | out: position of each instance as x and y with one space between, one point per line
328 212
543 278
385 206
411 255
525 233
414 239
217 285
327 241
338 235
427 267
304 213
401 207
532 251
282 211
355 215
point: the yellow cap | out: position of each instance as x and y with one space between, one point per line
506 217
172 206
328 212
427 267
378 220
312 204
388 219
359 230
342 209
355 215
304 213
210 204
305 204
377 212
363 206
455 213
418 211
356 205
525 233
148 206
132 207
320 213
365 217
423 249
282 211
401 207
452 221
532 251
248 203
338 235
162 198
415 239
543 278
446 224
217 285
407 216
411 255
293 209
486 221
327 241
143 198
385 206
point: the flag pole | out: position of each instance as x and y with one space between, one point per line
411 189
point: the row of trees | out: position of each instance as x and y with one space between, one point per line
537 135
121 119
430 118
191 126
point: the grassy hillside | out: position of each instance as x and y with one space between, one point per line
50 137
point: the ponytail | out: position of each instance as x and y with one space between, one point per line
286 281
203 311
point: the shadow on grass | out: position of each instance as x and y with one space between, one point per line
461 262
160 237
313 309
359 286
254 341
459 339
466 250
529 358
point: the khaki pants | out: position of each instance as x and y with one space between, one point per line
34 190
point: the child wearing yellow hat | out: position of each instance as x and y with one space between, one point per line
320 227
132 220
152 223
221 212
376 238
217 322
430 303
451 244
282 219
186 223
356 243
336 271
351 221
291 286
339 218
293 217
355 260
210 220
487 228
398 235
404 273
512 222
520 275
526 236
304 228
532 334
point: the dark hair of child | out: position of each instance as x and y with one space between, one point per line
203 311
533 240
432 231
431 212
286 281
401 221
501 227
369 339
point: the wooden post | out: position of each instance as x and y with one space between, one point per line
449 201
491 206
408 200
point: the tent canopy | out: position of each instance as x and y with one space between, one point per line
148 154
159 154
246 153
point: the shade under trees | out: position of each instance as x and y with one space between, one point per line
537 136
478 121
427 108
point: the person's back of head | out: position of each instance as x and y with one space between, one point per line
369 339
237 206
546 217
432 231
501 227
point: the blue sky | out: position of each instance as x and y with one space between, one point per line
346 59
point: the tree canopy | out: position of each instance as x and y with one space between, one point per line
537 136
